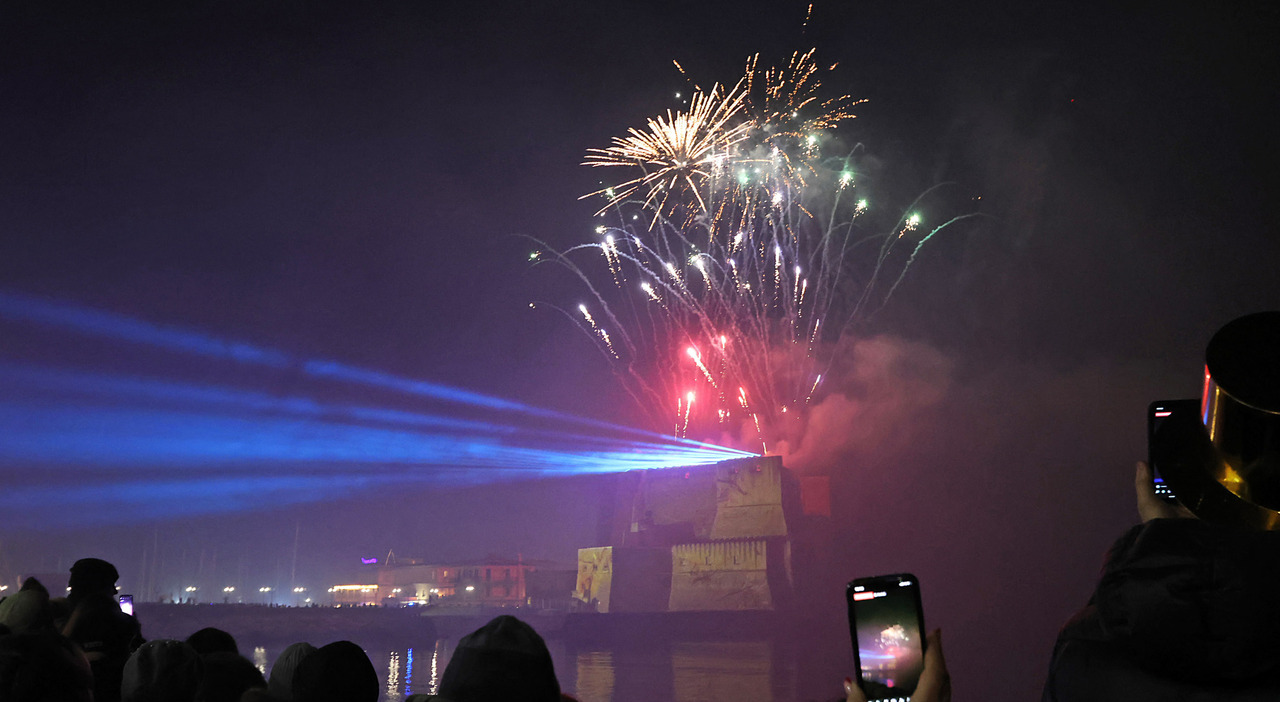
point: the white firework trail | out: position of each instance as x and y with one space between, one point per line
736 191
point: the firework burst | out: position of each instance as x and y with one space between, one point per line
752 261
676 154
733 151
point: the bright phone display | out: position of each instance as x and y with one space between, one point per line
126 604
887 625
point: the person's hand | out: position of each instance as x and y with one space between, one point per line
1152 507
935 681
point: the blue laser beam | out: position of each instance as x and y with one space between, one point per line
101 419
26 308
19 307
109 447
213 446
94 437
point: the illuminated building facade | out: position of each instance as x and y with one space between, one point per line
701 538
354 595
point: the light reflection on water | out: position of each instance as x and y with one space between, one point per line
393 676
595 677
705 671
728 670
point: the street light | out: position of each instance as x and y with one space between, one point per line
228 589
299 589
192 588
264 589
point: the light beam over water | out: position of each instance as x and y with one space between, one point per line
113 446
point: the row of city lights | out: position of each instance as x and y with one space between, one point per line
229 588
394 591
300 590
297 590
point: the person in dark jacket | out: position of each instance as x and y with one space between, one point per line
107 635
1189 600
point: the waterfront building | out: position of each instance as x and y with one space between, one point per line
701 538
488 582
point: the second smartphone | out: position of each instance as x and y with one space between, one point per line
886 622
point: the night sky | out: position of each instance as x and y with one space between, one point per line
357 184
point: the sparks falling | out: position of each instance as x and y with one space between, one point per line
738 234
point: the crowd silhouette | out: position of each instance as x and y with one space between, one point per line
83 648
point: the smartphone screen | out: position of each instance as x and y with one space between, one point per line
887 624
126 604
1157 413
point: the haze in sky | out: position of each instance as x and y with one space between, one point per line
355 185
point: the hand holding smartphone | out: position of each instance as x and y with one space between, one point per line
886 622
126 604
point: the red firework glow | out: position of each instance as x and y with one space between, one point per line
729 247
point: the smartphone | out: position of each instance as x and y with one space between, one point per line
126 604
886 622
1157 413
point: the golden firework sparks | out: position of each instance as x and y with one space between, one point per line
728 187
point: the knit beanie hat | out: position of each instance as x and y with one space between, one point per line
26 611
163 670
281 681
93 574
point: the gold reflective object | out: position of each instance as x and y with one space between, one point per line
1225 465
1245 437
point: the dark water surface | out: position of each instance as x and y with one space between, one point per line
764 670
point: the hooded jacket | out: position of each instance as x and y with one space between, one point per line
1184 610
